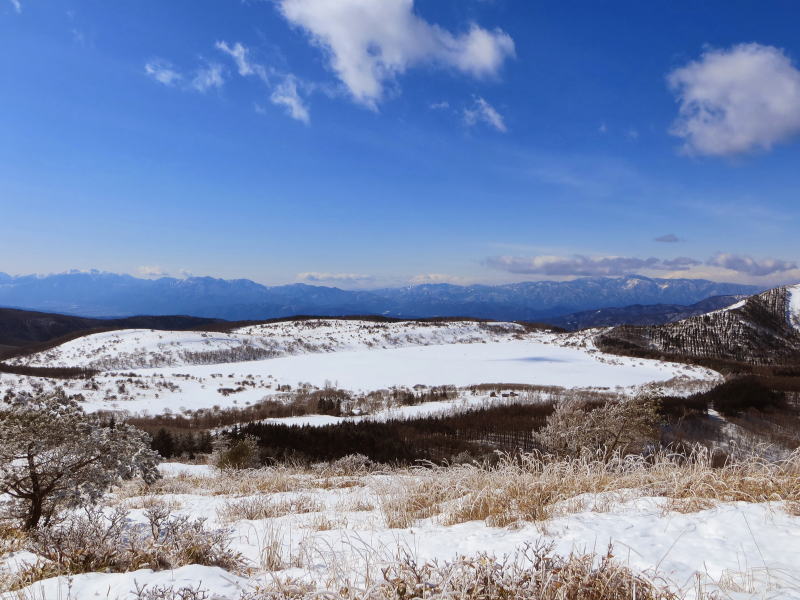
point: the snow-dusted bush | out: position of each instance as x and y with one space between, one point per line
352 464
628 425
96 540
55 456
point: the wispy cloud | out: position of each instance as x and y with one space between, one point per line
245 67
736 100
483 112
17 5
163 72
669 238
370 43
208 77
286 95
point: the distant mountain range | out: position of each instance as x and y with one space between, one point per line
99 294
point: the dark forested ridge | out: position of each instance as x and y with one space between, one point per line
641 314
23 327
759 332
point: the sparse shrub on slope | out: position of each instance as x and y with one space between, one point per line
575 427
55 456
236 454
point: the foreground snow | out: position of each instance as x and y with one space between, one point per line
748 550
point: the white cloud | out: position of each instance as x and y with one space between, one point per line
587 266
208 77
436 278
369 43
482 111
153 271
316 277
736 100
749 265
163 72
17 6
244 66
286 95
443 105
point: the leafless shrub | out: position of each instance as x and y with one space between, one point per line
94 540
168 592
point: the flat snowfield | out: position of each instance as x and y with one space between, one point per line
524 361
144 371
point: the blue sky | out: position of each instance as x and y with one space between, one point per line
365 143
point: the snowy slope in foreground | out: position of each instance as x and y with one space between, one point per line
750 548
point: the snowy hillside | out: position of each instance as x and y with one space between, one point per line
145 371
334 529
141 348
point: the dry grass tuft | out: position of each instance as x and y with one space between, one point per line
324 523
12 539
257 508
403 501
535 573
355 505
151 501
792 508
241 482
536 487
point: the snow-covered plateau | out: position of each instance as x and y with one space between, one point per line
146 371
